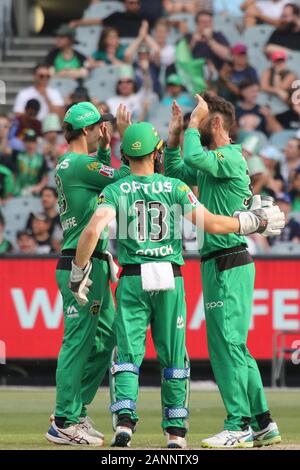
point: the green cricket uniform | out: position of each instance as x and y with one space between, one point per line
147 209
227 274
7 182
88 330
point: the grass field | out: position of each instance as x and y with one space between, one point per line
24 418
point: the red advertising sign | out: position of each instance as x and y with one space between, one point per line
31 318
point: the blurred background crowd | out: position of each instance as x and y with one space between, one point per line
145 54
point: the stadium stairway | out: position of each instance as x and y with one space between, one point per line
17 64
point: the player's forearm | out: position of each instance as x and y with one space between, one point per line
104 155
175 167
194 154
220 224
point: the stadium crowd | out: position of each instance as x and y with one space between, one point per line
161 50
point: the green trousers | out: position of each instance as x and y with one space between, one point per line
228 304
87 346
165 311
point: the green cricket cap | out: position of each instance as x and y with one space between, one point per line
174 79
85 114
140 139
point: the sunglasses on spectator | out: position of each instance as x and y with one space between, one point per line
4 126
125 81
43 75
133 2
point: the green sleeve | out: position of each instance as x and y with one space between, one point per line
216 163
186 198
176 168
104 156
9 185
108 198
96 176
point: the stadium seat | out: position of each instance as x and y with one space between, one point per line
280 139
88 39
228 26
286 248
102 82
276 104
64 85
188 18
16 212
103 9
253 141
160 116
295 216
256 37
293 62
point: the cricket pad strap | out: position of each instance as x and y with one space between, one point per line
173 413
176 373
124 367
123 405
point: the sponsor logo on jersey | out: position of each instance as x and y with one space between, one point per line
212 305
184 188
93 166
95 308
192 198
107 171
156 187
220 156
136 146
72 312
180 322
101 199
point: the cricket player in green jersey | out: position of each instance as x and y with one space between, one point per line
227 268
89 336
148 207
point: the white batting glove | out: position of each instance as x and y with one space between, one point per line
80 282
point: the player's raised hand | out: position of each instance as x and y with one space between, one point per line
199 113
123 119
80 282
175 126
105 138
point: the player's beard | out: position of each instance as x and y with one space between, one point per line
206 137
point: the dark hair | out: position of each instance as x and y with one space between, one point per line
33 104
247 83
216 104
74 134
134 85
27 233
49 188
203 13
294 7
40 66
2 221
297 140
102 41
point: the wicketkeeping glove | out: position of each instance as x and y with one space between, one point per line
80 282
263 217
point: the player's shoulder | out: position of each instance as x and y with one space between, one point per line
117 185
177 184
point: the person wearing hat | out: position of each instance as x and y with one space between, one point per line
278 79
175 90
31 167
151 290
88 329
234 72
227 269
64 60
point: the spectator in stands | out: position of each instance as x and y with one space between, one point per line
26 243
110 51
248 112
137 102
50 99
144 63
127 23
31 168
5 147
287 35
234 72
7 184
22 123
79 95
292 160
179 6
262 11
175 91
207 43
289 119
41 229
163 53
274 182
278 79
5 245
64 60
54 143
291 231
295 191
